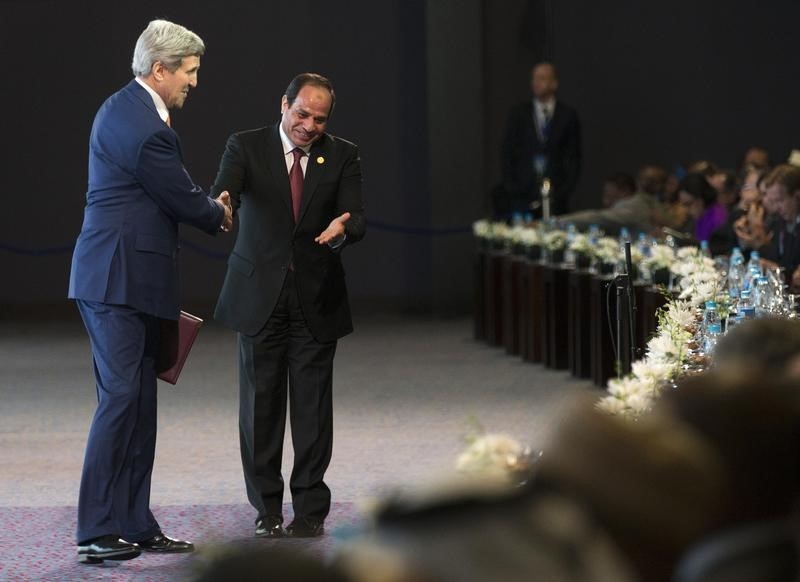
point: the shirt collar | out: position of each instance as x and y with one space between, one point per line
550 105
161 107
288 145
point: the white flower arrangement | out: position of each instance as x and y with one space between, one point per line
635 394
678 314
661 257
629 396
494 456
500 231
555 240
607 250
482 228
687 253
530 237
699 280
515 233
581 243
637 258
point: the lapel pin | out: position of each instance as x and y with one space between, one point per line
320 160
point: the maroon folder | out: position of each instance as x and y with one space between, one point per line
176 341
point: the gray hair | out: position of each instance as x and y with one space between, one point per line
166 42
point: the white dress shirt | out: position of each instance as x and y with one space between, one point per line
543 110
288 146
161 108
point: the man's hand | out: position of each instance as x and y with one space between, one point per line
335 230
227 222
794 285
751 228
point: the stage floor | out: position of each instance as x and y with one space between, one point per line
406 392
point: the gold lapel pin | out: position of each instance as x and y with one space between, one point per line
320 160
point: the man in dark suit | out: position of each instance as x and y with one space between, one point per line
125 280
297 191
542 142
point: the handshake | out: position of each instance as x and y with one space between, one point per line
224 200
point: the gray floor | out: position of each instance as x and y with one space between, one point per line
406 392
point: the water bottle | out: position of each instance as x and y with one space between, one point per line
736 273
762 297
624 236
746 309
712 335
643 244
517 219
710 316
704 249
753 270
594 234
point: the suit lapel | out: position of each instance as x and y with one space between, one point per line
276 162
317 158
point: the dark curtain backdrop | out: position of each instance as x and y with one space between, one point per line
423 87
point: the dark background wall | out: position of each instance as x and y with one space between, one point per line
423 87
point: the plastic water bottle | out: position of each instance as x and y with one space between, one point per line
746 309
762 297
736 273
624 236
712 335
710 316
704 249
643 244
753 270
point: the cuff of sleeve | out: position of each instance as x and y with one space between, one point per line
337 243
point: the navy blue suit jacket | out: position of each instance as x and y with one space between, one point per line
562 151
127 251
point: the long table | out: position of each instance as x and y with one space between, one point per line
558 316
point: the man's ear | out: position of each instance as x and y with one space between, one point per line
158 69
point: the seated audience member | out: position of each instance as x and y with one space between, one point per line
638 210
652 179
755 158
675 216
724 238
699 199
765 346
617 186
751 423
257 563
611 501
756 218
726 183
778 238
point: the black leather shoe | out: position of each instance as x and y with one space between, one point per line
109 547
270 526
166 545
305 527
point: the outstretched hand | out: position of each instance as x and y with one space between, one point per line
227 222
335 230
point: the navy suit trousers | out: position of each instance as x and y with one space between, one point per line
115 483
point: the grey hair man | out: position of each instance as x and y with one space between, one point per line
125 281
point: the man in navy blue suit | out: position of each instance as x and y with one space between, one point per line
542 142
125 280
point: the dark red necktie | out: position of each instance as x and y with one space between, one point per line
296 182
